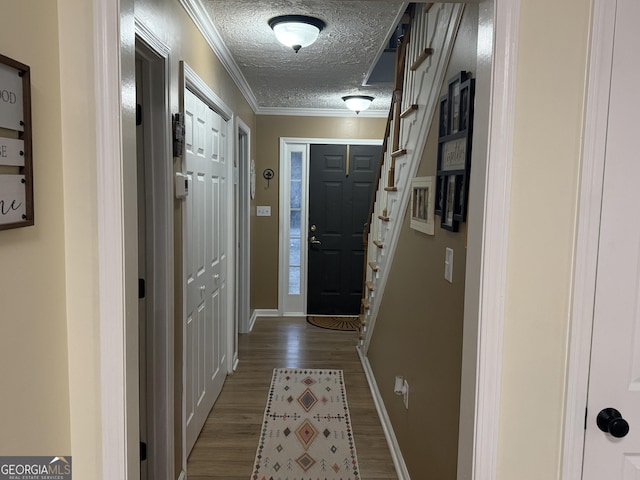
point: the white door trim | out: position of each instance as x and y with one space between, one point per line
161 445
244 228
495 238
114 396
587 236
111 251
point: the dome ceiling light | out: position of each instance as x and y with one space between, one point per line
357 103
296 31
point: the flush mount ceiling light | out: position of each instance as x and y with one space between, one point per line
357 103
296 31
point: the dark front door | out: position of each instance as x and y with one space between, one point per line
341 181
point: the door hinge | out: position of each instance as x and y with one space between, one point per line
143 451
138 114
142 290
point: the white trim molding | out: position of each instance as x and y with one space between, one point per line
320 112
587 236
111 249
495 241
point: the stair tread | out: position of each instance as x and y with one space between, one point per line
399 152
378 243
391 189
426 53
383 218
374 266
369 284
409 111
365 303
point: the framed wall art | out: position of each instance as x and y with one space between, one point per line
423 196
454 151
16 165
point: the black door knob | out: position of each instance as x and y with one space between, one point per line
610 421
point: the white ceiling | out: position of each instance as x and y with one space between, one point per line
313 80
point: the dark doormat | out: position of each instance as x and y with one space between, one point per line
349 324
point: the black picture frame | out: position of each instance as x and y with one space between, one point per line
455 132
447 219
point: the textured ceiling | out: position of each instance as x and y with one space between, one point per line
319 75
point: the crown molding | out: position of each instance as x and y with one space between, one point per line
204 23
320 112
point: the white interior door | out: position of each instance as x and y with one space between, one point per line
205 237
614 380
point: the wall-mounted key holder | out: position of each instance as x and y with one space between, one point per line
16 163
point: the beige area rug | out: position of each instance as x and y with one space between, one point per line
306 431
349 324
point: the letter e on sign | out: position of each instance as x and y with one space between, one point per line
11 152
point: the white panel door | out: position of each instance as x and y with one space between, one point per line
615 362
206 266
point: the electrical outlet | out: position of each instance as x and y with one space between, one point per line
263 211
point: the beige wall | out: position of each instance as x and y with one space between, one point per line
418 331
264 230
552 61
77 96
34 409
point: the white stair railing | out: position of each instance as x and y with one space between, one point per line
431 35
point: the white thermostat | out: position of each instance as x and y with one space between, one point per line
182 185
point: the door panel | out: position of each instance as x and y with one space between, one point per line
340 187
205 276
615 359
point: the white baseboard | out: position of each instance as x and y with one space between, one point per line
182 476
392 441
266 312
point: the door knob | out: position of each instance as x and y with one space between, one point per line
610 421
314 241
313 228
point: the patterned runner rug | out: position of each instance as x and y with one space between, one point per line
306 432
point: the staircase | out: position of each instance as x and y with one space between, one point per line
421 63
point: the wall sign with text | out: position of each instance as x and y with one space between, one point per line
16 163
454 151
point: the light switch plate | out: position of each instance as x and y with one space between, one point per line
263 211
448 265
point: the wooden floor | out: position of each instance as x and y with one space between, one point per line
227 444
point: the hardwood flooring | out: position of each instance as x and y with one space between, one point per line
227 444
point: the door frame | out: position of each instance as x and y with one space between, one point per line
286 305
112 49
243 159
159 174
587 235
